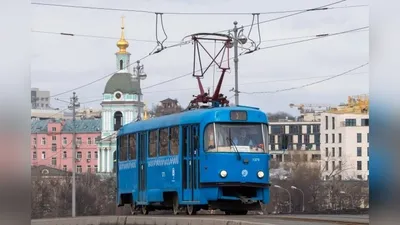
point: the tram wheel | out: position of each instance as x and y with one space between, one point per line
144 210
190 210
175 205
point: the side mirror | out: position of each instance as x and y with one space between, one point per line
284 145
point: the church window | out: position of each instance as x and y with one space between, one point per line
121 64
163 142
174 133
153 143
117 120
132 146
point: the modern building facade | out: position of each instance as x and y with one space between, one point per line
40 99
302 136
51 144
120 105
345 141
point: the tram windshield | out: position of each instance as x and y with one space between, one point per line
231 137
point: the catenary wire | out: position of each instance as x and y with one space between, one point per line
267 47
188 13
242 84
308 84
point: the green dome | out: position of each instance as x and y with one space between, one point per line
122 82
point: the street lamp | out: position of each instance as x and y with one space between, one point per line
296 188
351 197
290 197
140 75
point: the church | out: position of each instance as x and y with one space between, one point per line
120 105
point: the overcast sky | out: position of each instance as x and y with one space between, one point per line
61 63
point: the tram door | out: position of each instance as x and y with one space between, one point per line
142 158
190 165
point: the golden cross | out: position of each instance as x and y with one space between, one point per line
122 18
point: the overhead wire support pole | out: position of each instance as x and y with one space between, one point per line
236 61
74 104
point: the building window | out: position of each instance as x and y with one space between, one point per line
43 141
34 141
54 138
79 155
89 169
340 165
333 165
340 138
89 155
326 138
326 122
65 167
350 122
306 139
79 141
43 155
364 122
121 64
367 151
294 129
326 165
317 138
316 128
64 140
54 161
53 147
359 151
326 152
359 177
333 138
333 123
368 137
64 154
53 129
359 165
96 155
89 141
359 137
79 169
340 151
34 156
308 129
96 169
333 152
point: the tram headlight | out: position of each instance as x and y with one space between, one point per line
260 174
223 173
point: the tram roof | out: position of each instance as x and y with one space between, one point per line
187 117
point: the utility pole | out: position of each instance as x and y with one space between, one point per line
74 104
236 61
140 75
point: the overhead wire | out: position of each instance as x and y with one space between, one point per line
267 47
184 13
181 43
242 84
308 84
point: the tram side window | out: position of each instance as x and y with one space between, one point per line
163 142
209 143
132 146
174 132
153 143
123 148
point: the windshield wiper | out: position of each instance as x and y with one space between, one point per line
234 146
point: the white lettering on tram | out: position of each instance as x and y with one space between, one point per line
163 162
127 165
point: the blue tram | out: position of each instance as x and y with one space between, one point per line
202 159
